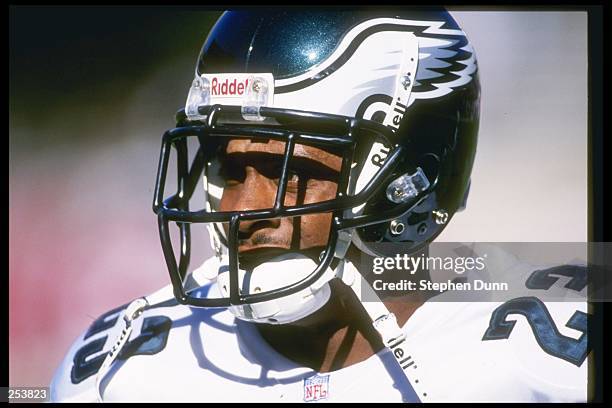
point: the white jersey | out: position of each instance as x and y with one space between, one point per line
468 351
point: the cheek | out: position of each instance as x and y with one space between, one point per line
320 190
315 228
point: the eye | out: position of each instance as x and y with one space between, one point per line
232 175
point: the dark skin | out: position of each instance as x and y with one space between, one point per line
340 334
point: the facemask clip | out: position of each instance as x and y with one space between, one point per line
199 95
407 186
256 95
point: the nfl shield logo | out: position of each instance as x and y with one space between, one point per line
316 388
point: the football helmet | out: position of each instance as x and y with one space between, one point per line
394 93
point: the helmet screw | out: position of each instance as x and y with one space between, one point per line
406 81
256 86
398 192
396 227
440 216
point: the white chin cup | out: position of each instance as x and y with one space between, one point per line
274 274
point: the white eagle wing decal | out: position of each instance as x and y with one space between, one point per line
439 69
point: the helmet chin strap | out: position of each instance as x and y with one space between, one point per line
385 323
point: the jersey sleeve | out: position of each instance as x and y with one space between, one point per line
74 379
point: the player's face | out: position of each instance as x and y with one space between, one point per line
251 170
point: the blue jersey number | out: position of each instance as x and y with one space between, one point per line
540 320
152 339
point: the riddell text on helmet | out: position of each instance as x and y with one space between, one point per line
228 87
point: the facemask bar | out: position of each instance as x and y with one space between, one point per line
176 208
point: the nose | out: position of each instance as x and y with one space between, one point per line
257 193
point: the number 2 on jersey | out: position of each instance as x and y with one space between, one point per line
544 328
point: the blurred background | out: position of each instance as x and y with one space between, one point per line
91 90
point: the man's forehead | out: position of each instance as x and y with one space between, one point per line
278 147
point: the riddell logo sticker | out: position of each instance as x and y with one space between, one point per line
228 86
231 89
316 388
